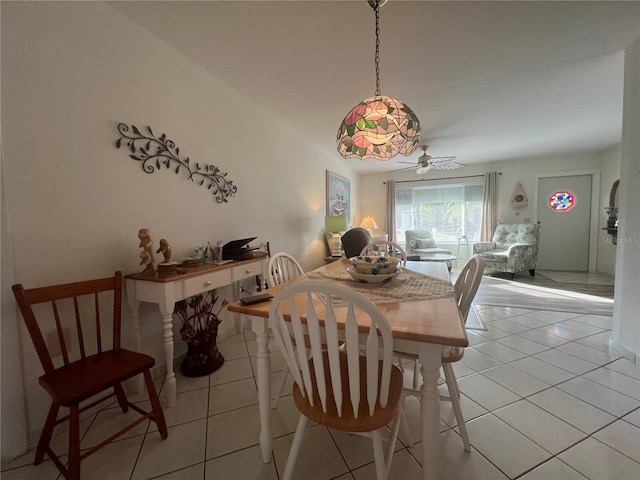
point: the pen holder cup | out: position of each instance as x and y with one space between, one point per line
216 254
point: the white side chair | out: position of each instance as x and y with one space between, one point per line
282 268
465 287
383 248
335 385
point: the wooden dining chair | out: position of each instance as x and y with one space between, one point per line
336 386
465 288
384 248
282 268
86 370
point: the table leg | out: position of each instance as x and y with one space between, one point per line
170 379
134 307
260 327
430 361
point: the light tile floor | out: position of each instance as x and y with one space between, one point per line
542 396
578 277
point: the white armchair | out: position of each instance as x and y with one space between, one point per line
421 242
514 248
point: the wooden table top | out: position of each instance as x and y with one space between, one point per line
435 320
183 272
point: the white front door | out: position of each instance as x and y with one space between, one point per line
564 234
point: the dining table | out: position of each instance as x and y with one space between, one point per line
423 313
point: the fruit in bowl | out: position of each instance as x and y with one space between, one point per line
375 265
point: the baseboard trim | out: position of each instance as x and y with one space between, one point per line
624 351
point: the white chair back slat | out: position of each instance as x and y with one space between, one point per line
332 343
316 349
299 362
291 341
352 349
386 375
467 283
372 369
313 331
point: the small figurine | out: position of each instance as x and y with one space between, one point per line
146 243
165 248
147 261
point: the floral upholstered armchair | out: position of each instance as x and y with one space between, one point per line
514 248
421 242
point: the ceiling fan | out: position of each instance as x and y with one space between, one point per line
427 162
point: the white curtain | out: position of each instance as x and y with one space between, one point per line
489 206
391 210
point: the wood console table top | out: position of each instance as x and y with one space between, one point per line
187 272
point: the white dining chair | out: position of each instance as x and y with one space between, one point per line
384 248
282 268
465 288
335 385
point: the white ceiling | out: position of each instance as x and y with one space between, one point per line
489 81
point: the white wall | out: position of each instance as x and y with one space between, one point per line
14 422
625 335
610 173
71 71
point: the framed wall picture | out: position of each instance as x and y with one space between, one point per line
338 195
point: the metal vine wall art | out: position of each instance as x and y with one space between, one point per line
155 153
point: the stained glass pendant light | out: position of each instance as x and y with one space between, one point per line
378 127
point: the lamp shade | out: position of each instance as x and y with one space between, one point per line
336 223
379 127
369 223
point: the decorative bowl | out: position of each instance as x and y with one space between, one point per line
369 278
374 265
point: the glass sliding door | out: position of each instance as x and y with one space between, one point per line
448 210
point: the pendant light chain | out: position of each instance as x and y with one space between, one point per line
377 56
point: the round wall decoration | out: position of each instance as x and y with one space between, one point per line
562 201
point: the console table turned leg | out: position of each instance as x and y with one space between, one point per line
134 307
261 329
170 379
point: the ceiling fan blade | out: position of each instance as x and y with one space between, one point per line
448 165
422 170
403 168
436 160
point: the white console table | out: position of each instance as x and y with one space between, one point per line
166 291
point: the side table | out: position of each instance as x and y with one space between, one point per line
166 291
463 241
440 257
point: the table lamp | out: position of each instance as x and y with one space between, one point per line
336 224
369 223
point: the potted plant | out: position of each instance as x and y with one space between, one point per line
199 329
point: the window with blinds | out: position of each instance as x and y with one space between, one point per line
447 210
